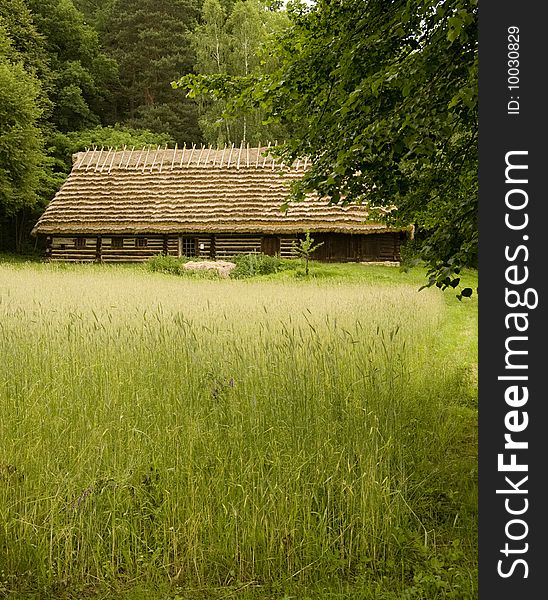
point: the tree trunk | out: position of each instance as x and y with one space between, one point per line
19 222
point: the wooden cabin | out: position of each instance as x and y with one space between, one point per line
126 206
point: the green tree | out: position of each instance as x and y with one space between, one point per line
30 47
233 46
305 248
209 42
82 74
383 97
150 41
20 137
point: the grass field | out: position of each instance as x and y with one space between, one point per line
279 437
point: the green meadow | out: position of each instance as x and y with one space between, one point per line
279 437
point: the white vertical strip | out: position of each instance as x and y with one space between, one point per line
174 155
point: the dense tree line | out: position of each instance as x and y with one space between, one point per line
84 73
382 96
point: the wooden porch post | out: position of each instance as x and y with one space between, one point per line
98 245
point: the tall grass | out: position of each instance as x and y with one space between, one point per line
213 434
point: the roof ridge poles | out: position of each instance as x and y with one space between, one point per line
98 159
139 158
305 161
200 156
155 157
258 154
122 152
146 158
174 155
182 156
90 157
215 155
79 164
230 155
247 156
222 157
129 157
273 161
240 154
162 161
106 158
266 155
190 157
112 160
207 157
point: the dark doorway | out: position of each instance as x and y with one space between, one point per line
270 244
371 247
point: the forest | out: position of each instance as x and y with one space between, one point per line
381 96
82 73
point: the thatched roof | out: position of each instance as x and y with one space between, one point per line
190 190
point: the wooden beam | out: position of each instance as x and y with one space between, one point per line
240 154
139 159
98 245
207 157
190 157
146 158
200 156
106 158
182 155
98 159
111 162
129 157
230 154
123 151
266 154
174 155
223 156
78 164
154 159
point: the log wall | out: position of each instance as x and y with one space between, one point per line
127 248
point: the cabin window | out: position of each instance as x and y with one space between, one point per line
117 242
141 242
189 246
80 243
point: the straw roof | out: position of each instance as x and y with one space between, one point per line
189 190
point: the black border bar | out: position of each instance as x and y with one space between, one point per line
513 267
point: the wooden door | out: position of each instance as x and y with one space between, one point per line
270 244
371 247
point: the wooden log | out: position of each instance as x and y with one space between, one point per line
98 159
174 155
230 155
182 156
98 249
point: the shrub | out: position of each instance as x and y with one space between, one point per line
255 263
410 254
165 264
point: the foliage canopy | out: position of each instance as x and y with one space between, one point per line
383 99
